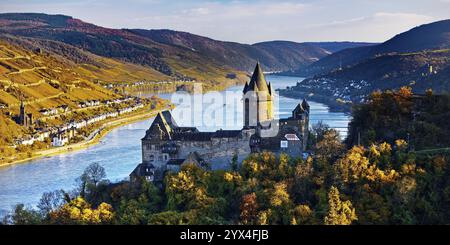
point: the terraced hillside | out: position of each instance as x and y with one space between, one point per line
45 79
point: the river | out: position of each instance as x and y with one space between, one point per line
119 151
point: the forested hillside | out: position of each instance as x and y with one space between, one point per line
433 36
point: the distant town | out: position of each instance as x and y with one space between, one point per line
61 135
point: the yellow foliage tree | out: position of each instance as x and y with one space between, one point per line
339 212
279 196
302 214
78 211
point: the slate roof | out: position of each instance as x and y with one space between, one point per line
159 128
258 82
195 158
175 161
164 127
227 133
301 108
169 119
186 130
305 105
197 136
143 170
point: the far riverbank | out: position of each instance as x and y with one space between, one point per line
93 139
331 102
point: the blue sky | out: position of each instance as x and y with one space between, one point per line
254 20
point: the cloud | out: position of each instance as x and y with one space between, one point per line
378 27
253 20
232 21
240 10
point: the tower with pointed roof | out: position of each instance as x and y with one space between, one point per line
22 114
257 99
24 118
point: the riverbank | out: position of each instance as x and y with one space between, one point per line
93 139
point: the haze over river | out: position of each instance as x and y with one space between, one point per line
120 151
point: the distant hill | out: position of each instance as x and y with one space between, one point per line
177 54
292 54
419 58
425 37
419 70
274 56
334 47
431 36
98 40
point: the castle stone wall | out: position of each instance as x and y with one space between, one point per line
217 152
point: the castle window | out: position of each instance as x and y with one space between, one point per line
153 147
165 157
151 158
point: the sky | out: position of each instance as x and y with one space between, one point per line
254 20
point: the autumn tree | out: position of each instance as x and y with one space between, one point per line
330 146
339 212
78 211
302 215
186 189
249 209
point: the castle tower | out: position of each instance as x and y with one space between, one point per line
22 115
258 100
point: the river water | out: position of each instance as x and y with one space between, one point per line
119 151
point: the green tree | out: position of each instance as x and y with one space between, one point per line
234 162
90 180
51 201
23 216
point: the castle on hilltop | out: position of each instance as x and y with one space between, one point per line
167 146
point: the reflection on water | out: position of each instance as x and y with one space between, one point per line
119 152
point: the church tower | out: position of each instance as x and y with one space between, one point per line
258 100
22 115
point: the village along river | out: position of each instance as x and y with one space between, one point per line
120 151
